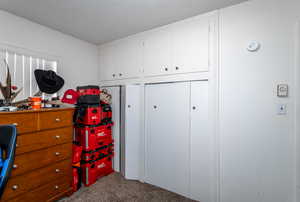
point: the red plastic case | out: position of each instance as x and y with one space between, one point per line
93 137
93 170
76 153
88 114
88 90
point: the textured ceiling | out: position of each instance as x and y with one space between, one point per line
99 21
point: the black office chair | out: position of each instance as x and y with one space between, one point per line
8 139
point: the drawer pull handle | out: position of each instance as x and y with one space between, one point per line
17 145
15 187
57 153
57 119
56 187
57 136
15 124
57 170
15 166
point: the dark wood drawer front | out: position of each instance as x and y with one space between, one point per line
46 192
25 122
56 119
21 184
39 140
29 161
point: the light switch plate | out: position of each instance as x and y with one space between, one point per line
282 90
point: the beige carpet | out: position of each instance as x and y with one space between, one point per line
114 188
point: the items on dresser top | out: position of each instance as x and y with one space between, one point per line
42 170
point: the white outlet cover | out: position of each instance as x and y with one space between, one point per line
281 109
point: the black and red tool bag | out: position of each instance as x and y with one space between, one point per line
88 114
88 94
94 136
95 169
106 113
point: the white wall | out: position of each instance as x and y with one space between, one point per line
257 145
297 119
78 59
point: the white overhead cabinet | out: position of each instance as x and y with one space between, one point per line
190 40
178 143
121 59
107 70
157 52
181 47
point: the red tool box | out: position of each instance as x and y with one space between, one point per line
88 114
88 90
106 149
88 94
93 137
93 170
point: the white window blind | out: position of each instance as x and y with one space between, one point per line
22 64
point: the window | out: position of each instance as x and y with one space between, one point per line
22 64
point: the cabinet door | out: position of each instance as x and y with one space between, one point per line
201 144
132 132
167 136
128 58
190 39
157 52
106 60
116 116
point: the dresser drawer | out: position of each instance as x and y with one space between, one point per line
25 122
46 192
55 119
29 161
39 140
23 183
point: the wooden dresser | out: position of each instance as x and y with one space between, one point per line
42 168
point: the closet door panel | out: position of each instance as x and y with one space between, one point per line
201 144
132 131
115 92
167 136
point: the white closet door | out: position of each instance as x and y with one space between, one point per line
201 144
115 105
132 131
167 136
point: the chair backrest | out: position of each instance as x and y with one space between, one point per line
8 139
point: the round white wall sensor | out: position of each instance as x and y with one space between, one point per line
253 46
